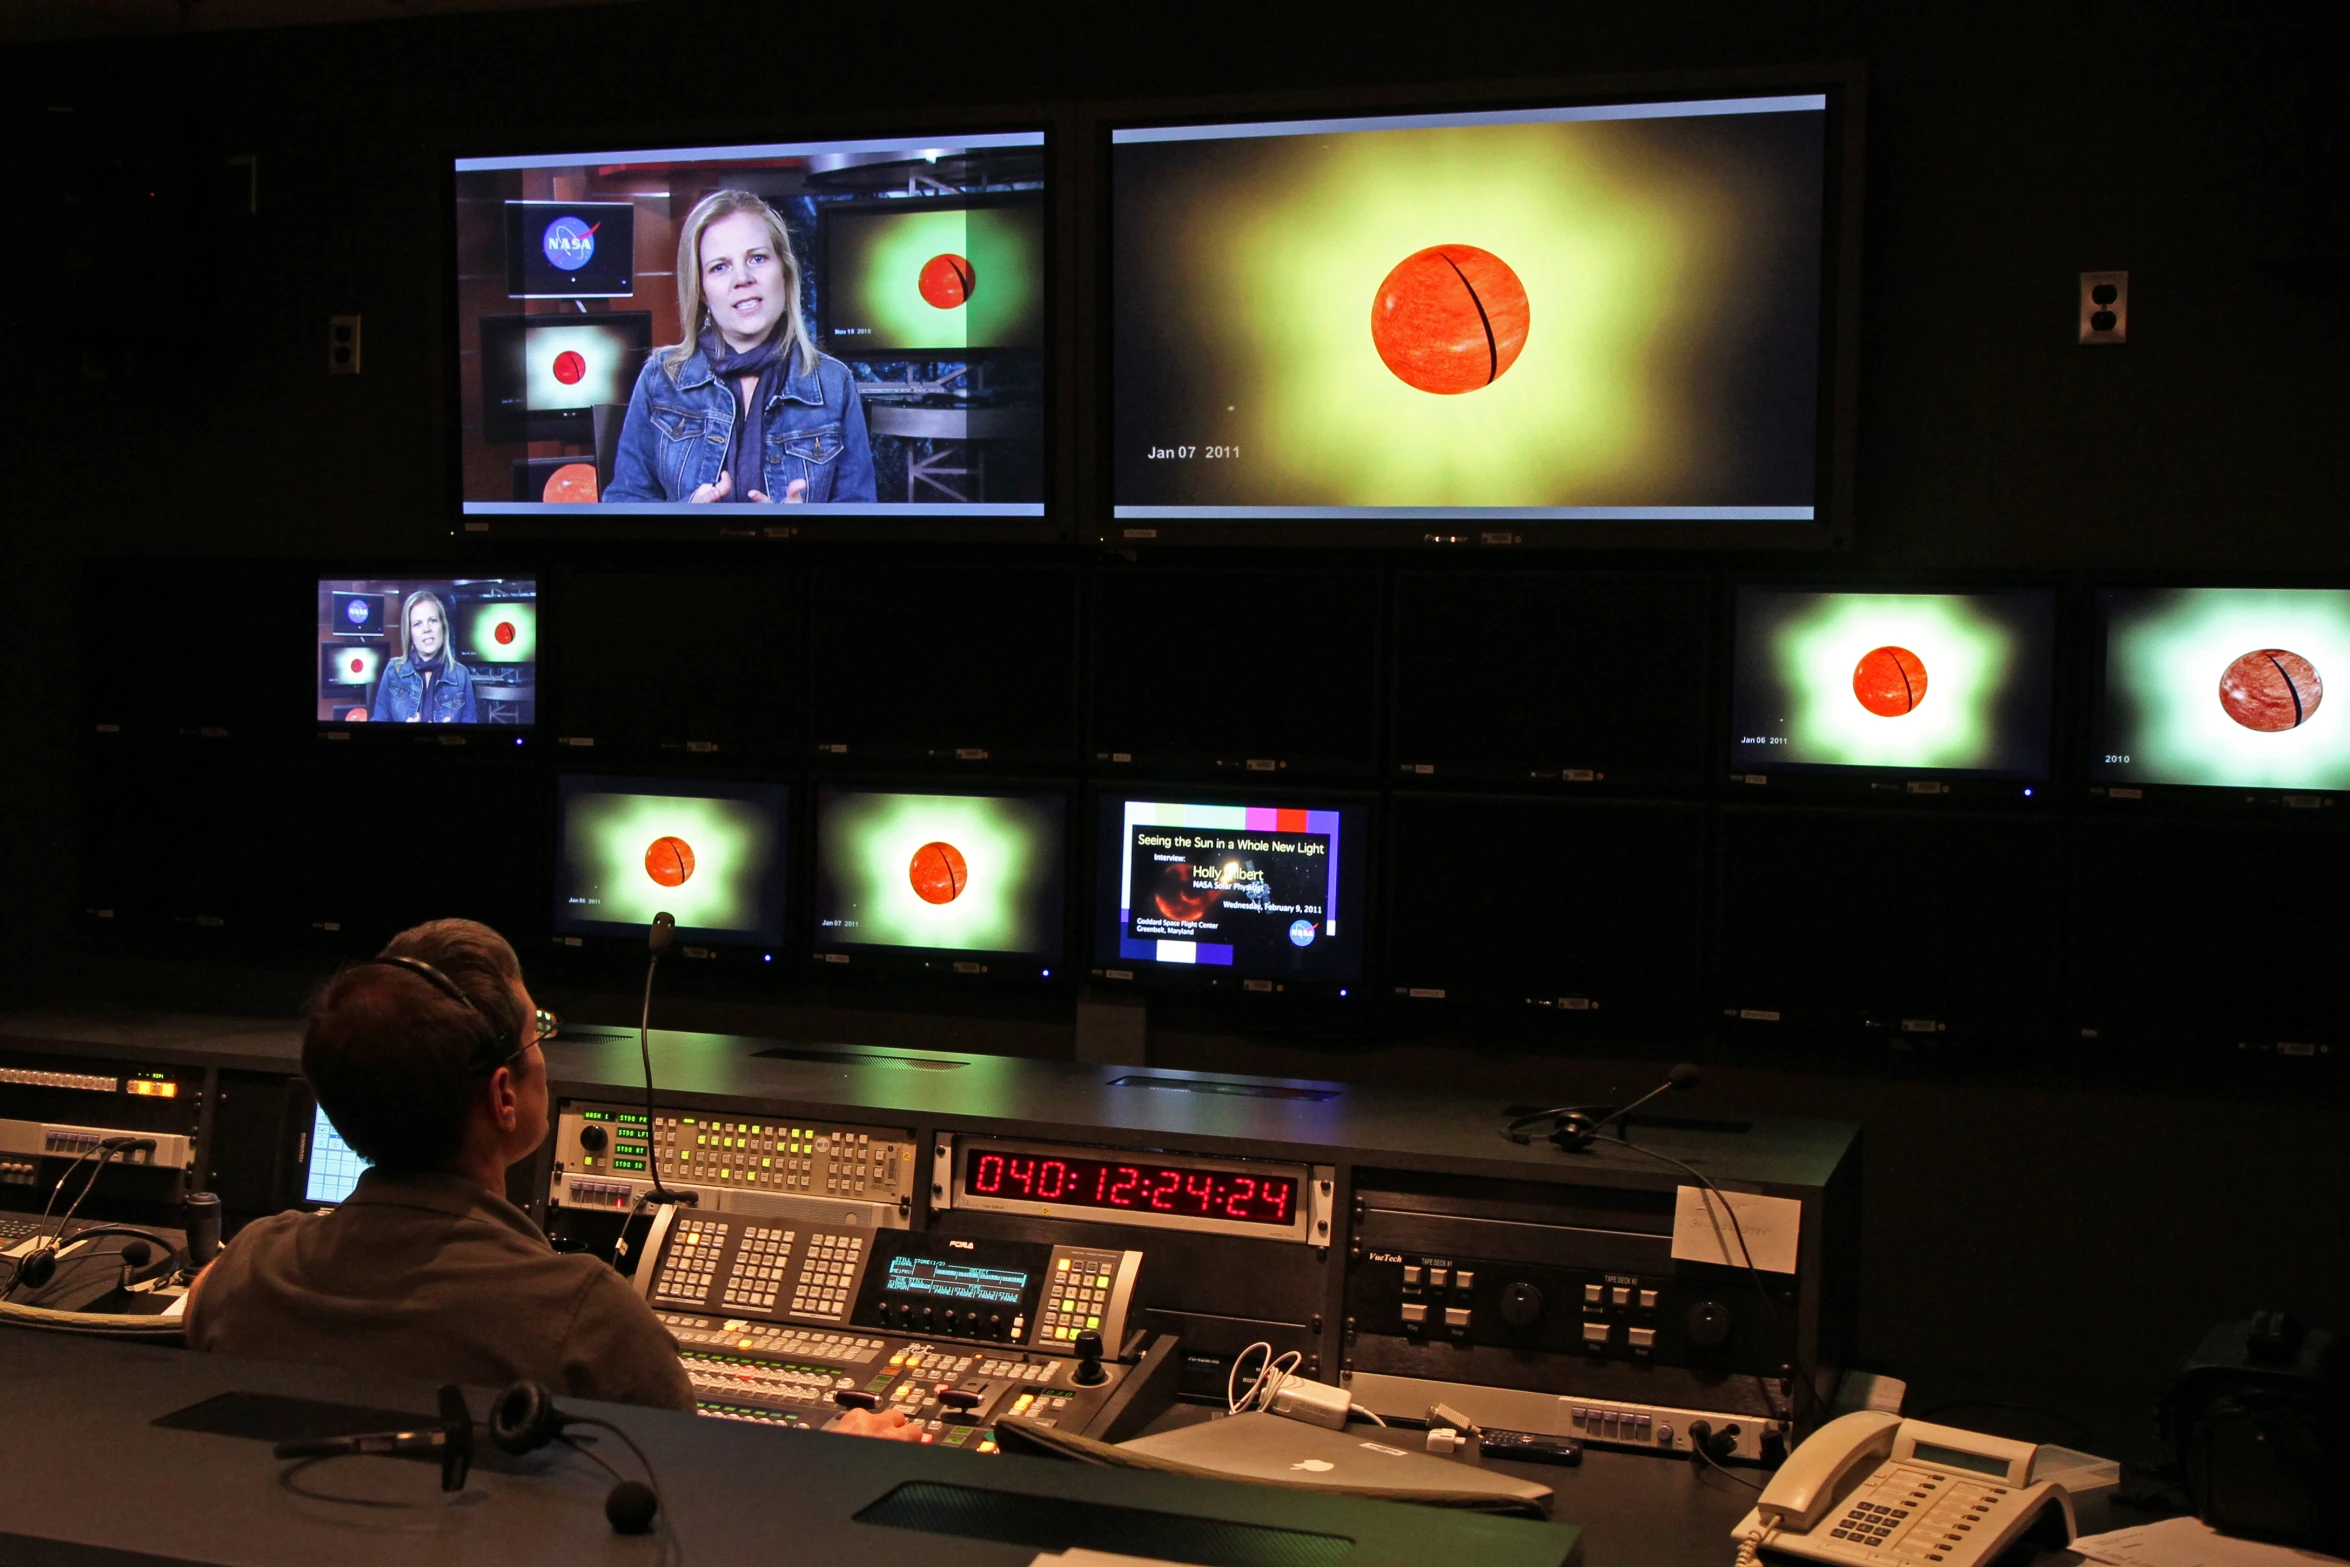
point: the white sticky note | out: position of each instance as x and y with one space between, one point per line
1702 1231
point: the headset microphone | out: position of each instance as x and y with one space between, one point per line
1575 1128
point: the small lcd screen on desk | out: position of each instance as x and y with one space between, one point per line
1956 1458
1138 1187
935 1280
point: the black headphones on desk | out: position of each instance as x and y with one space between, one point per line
523 1419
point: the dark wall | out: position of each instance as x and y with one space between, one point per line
2047 1220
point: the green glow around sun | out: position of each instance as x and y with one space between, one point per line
866 844
1813 641
482 622
2165 653
735 845
878 260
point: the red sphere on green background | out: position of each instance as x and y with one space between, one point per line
1889 681
938 873
669 861
2271 690
1450 319
947 280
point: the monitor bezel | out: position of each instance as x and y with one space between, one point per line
489 736
512 275
689 941
565 425
1844 85
826 236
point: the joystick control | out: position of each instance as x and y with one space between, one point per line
1089 1372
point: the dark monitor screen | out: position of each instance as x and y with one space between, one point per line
460 651
1577 314
927 275
2224 687
987 1277
542 377
710 854
1253 891
908 386
570 249
949 873
1951 683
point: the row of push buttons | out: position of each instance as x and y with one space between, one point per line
1598 1335
1618 1295
1077 1297
847 1349
827 1275
1947 1512
760 1262
1437 1278
1415 1315
1622 1425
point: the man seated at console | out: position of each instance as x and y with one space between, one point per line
427 1060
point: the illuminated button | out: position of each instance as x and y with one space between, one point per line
1641 1338
1414 1312
1456 1316
1648 1300
1596 1332
1463 1279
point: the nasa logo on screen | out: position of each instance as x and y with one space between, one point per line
356 611
1301 933
569 243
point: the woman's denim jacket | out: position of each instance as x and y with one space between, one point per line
399 691
675 437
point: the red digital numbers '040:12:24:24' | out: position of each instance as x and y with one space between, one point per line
1222 1195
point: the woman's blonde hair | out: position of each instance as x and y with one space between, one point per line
692 308
408 625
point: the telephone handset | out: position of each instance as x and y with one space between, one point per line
1871 1489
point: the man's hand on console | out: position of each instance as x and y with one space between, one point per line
888 1424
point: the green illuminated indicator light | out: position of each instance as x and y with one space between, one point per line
628 1164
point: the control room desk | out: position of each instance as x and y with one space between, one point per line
91 1480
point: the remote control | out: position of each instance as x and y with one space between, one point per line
1526 1447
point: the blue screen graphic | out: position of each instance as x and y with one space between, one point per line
334 1168
954 1281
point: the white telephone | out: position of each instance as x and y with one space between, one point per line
1874 1490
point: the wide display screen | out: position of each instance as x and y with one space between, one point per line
975 873
709 854
415 650
1247 890
1131 1186
884 298
2224 687
1953 683
1597 312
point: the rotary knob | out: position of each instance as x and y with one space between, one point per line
1709 1324
593 1138
1520 1305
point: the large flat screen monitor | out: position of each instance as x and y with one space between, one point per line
884 296
710 854
428 650
1574 319
2224 688
1229 890
969 874
1920 684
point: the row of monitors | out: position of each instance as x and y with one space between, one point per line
1618 311
1624 914
2212 687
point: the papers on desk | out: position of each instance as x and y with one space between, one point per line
1705 1231
2190 1542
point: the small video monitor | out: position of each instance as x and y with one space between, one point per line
2224 688
939 276
1954 684
543 377
570 249
1229 889
331 1173
976 874
707 853
428 650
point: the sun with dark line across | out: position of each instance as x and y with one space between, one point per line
1450 318
1889 681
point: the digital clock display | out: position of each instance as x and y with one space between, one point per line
1132 1186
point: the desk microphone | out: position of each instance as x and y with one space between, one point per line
657 939
1574 1127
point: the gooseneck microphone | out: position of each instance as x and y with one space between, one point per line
657 939
1576 1127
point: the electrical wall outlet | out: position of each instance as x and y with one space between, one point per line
342 345
2105 307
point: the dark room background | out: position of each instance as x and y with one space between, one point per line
2057 1211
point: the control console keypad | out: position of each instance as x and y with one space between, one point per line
760 1262
1077 1297
828 1277
691 1261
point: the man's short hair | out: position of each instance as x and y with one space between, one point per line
392 1059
